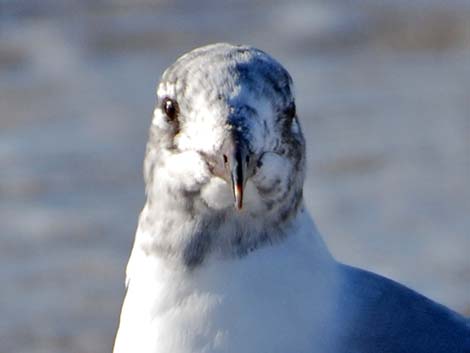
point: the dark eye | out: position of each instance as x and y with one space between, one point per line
290 112
170 107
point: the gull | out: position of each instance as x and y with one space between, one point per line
226 257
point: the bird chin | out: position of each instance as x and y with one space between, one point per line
217 195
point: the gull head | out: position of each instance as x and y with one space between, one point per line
225 138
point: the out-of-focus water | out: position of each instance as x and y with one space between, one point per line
383 95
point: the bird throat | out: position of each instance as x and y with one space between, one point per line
187 238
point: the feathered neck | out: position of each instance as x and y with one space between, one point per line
185 238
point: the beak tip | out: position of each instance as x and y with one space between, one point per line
238 194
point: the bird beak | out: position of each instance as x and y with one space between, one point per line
237 159
238 173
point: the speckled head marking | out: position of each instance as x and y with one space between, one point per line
224 129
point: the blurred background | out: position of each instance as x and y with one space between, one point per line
383 93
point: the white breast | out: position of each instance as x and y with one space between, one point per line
276 298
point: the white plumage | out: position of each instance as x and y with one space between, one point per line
254 304
206 275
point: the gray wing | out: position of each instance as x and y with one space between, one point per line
382 316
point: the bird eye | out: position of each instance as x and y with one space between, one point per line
290 112
170 107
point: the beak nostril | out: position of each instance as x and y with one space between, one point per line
225 159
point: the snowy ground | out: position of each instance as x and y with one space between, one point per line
383 94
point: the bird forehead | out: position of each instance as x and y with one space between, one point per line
227 73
